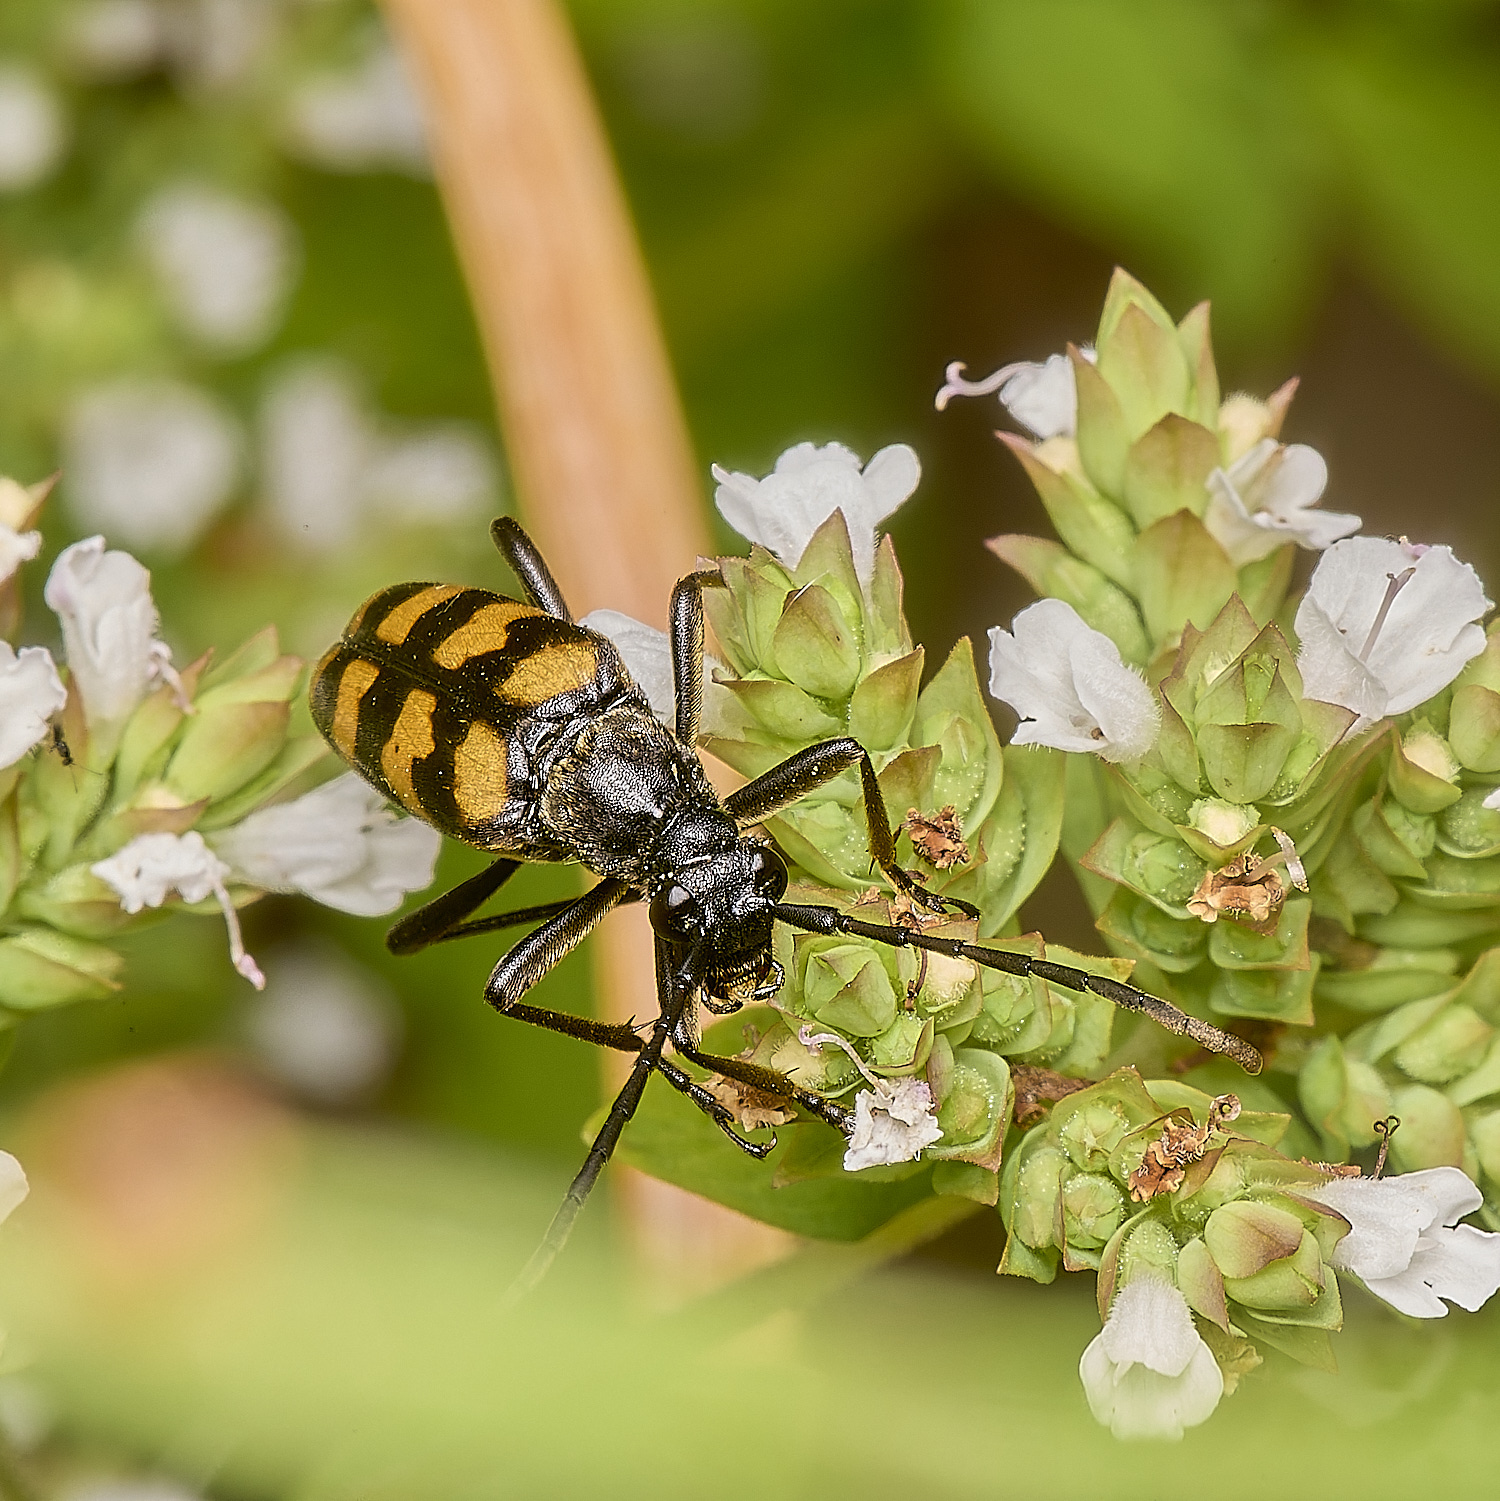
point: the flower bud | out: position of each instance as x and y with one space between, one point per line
40 967
976 1108
1092 1131
1468 828
1431 1133
1474 726
1423 770
815 646
845 986
1452 1043
884 703
1246 1236
1038 1196
1295 1281
1093 1209
238 728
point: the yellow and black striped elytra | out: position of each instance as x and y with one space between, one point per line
508 726
449 700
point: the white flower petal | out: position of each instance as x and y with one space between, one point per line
1044 397
1148 1373
647 653
893 1121
13 1184
109 625
1070 686
1426 635
782 511
340 844
16 548
1405 1242
1264 500
30 694
1493 800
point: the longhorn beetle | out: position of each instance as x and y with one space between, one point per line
512 728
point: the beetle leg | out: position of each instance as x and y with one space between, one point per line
714 1109
687 649
830 920
673 1000
526 563
818 764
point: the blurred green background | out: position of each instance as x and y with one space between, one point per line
834 200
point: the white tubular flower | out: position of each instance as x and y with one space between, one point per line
362 120
1148 1373
1385 625
13 1185
152 866
17 505
1043 397
30 694
1265 499
339 844
1069 685
109 625
32 130
151 462
783 510
1406 1245
223 263
894 1119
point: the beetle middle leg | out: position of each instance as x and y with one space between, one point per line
798 775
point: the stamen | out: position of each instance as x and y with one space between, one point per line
1294 867
1398 581
161 670
956 385
815 1040
1385 1130
243 962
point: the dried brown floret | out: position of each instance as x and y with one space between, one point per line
1181 1143
937 837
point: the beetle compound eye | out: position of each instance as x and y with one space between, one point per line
675 912
768 872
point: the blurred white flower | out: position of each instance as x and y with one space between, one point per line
109 625
893 1121
324 1026
224 263
1148 1373
13 1185
327 465
1069 685
361 120
152 866
1493 800
782 511
26 1416
151 462
1042 397
439 473
30 694
32 129
1406 1245
214 44
1264 499
1384 625
339 844
316 446
129 1488
116 38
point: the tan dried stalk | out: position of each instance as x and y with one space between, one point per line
593 428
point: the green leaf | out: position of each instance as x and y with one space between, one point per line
674 1141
